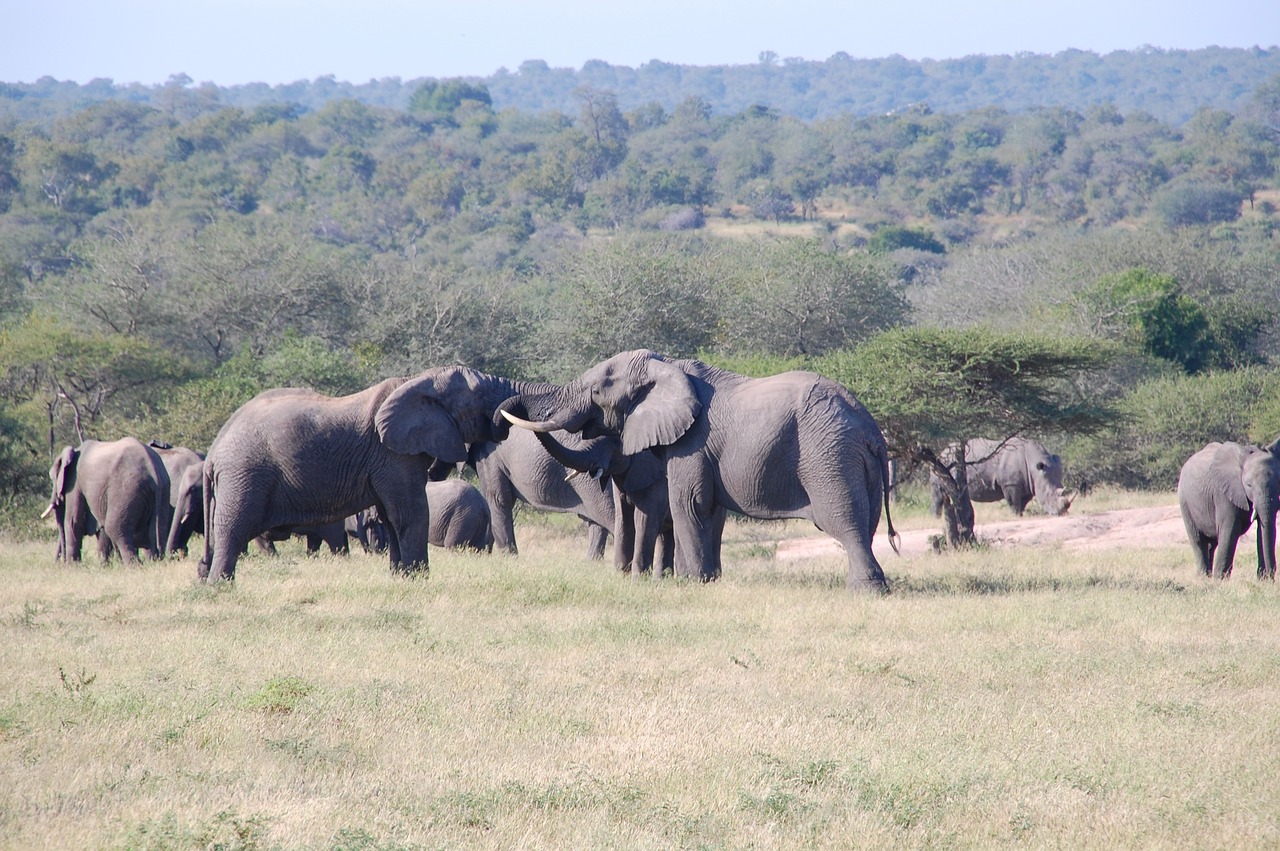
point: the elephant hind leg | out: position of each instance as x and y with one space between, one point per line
851 521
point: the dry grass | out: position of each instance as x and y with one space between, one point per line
1035 697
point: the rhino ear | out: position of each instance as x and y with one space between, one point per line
666 407
413 421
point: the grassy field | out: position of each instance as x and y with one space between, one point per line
1038 698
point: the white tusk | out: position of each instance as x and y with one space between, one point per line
46 511
572 474
543 426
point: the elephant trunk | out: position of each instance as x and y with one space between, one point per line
1267 544
593 457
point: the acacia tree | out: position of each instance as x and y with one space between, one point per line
59 383
931 390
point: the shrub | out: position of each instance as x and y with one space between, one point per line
1164 421
1197 204
893 237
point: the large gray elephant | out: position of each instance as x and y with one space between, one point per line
118 488
459 516
643 525
1221 489
292 457
518 469
185 497
792 445
1016 471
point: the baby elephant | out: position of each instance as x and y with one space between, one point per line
459 516
1221 489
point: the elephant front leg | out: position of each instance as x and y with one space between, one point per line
625 532
409 532
1225 557
502 518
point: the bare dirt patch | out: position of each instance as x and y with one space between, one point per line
1160 526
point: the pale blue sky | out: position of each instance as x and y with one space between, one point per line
280 41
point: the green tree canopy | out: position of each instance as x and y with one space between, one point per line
1153 314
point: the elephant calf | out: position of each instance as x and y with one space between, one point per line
459 516
1220 490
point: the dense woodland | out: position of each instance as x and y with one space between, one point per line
167 252
1168 84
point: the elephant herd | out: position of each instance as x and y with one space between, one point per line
667 447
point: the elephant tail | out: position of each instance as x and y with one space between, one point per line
895 540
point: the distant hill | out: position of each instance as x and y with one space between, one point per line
1169 84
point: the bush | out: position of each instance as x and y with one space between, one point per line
892 237
1197 204
1165 421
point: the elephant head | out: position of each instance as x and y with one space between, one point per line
1260 485
63 476
638 396
441 411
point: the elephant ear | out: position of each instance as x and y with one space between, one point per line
64 466
665 410
412 421
645 471
1237 457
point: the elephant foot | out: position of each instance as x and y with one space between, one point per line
867 585
410 571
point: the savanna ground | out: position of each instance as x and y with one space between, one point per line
1049 695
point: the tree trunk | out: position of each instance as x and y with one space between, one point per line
957 509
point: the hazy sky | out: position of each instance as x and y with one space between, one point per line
280 41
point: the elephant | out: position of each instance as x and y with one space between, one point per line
1221 489
459 516
791 445
333 534
367 528
640 483
1015 471
293 457
120 489
519 469
186 496
188 508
